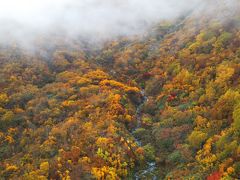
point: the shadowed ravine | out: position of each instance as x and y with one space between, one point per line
148 171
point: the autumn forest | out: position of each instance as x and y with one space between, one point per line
163 105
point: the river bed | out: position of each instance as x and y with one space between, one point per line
148 171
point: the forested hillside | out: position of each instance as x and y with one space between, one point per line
165 105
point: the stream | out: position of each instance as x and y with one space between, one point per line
148 171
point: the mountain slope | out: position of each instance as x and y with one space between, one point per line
164 105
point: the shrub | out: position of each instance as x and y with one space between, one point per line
196 138
149 152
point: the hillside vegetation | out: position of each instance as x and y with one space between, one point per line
69 112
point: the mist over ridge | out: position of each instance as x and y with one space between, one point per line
25 20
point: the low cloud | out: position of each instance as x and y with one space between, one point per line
25 20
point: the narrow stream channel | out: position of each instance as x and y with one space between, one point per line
148 171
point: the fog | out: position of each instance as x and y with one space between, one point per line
95 19
24 20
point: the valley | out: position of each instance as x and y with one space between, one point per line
163 105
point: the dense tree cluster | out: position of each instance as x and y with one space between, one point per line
61 120
71 114
191 76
